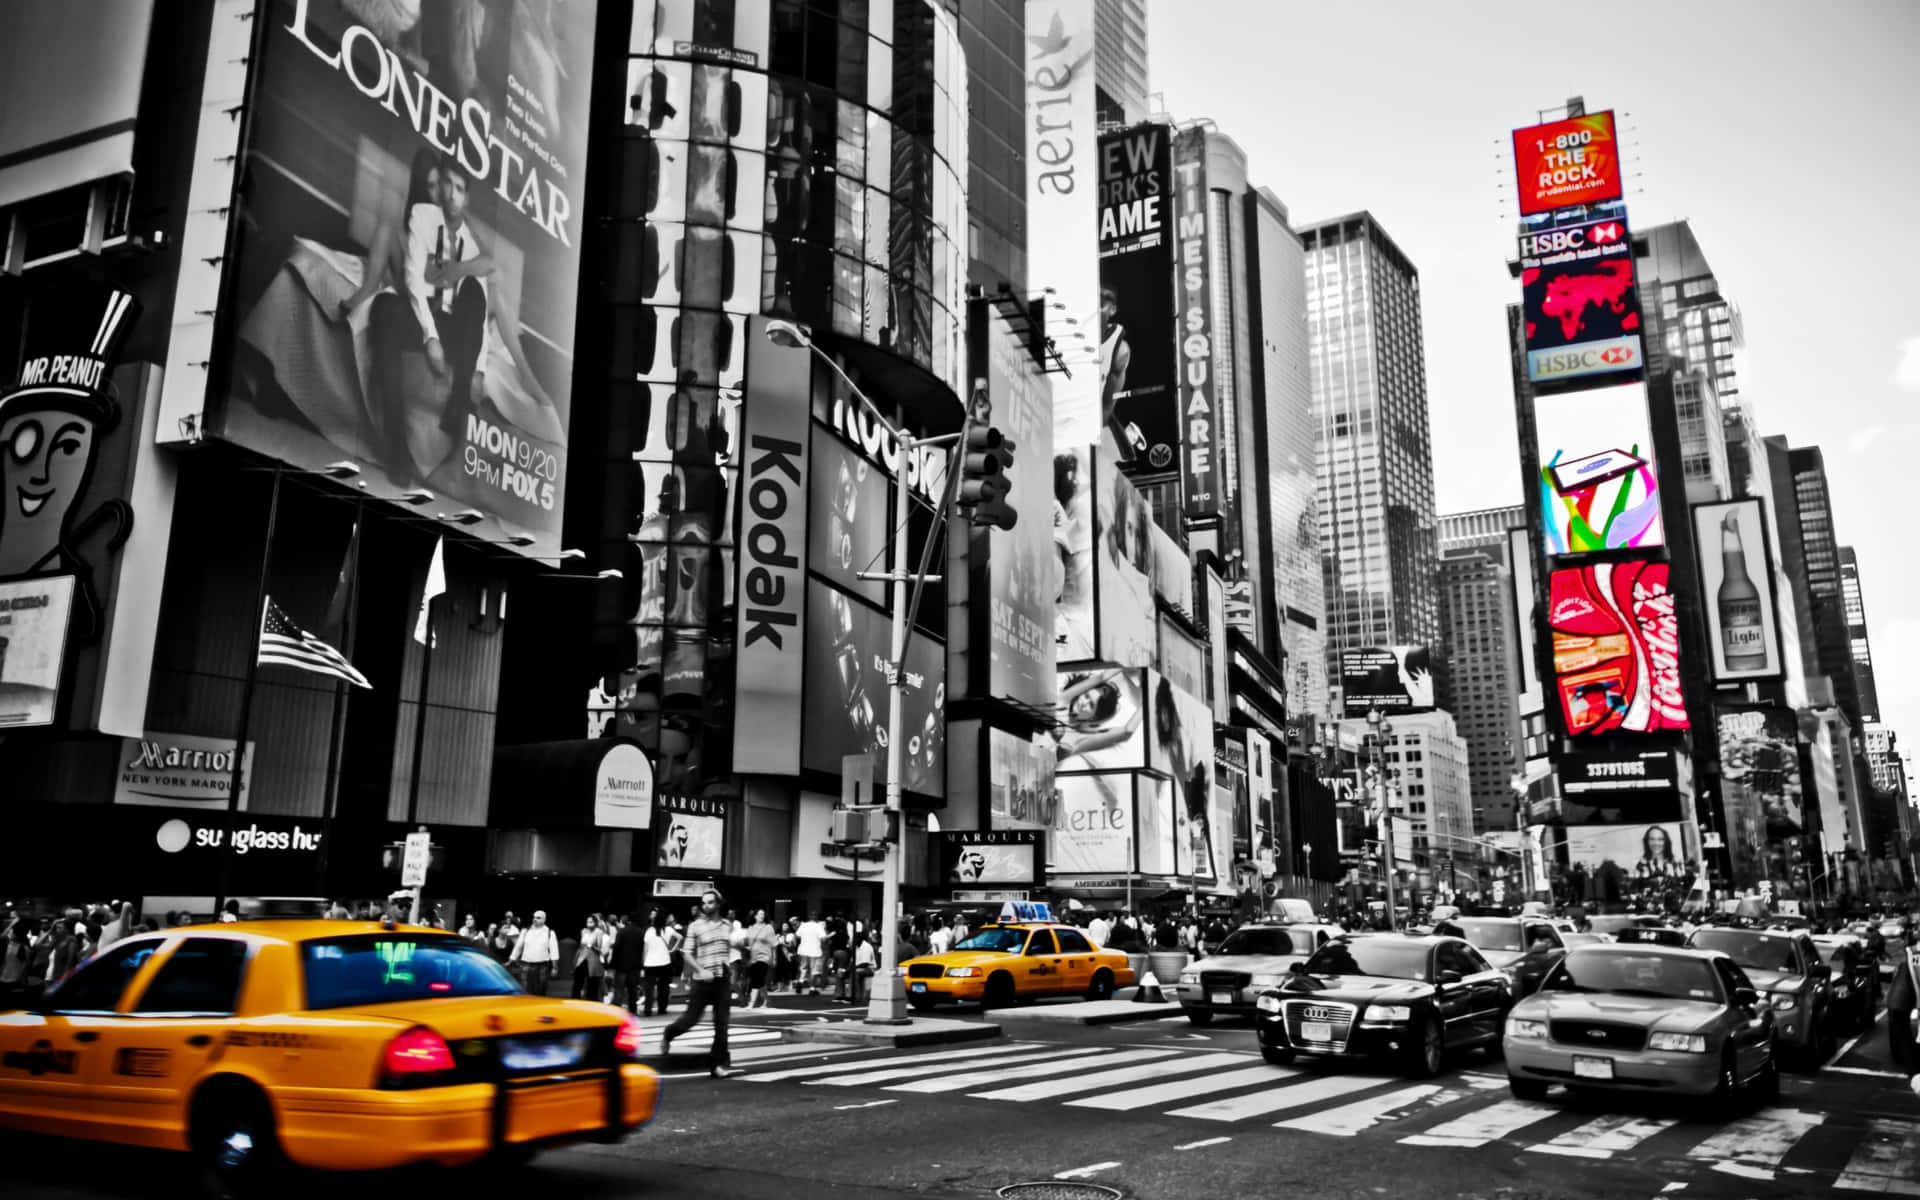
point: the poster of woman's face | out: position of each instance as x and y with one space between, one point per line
1106 721
1653 849
1123 561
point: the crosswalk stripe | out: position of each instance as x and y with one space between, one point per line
1048 1089
1886 1161
1184 1089
1351 1120
1271 1100
887 1075
1761 1140
892 1060
1599 1138
792 1050
1486 1125
968 1079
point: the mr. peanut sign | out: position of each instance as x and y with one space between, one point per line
52 421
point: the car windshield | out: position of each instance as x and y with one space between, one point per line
1492 935
1755 951
1367 956
1664 976
1257 940
347 972
1835 954
996 938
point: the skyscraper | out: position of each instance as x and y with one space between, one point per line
1477 672
991 33
1288 524
1855 610
1373 453
1820 563
1119 61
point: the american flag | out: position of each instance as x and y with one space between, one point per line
285 644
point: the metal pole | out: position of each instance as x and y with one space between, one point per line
887 1003
336 748
236 780
1386 826
420 744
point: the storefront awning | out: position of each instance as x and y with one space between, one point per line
591 783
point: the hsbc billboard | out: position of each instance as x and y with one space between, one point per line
1579 302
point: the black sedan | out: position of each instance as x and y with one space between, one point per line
1406 999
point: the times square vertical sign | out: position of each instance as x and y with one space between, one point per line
1199 473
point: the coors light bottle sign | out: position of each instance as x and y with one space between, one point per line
1736 576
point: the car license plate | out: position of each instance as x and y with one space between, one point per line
919 987
544 1054
1220 997
1592 1068
1316 1031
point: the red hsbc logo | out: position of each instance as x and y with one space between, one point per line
1617 355
1610 232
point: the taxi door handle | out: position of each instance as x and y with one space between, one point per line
86 1035
200 1039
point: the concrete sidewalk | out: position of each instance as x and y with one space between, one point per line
918 1031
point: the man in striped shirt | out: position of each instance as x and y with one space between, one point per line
709 942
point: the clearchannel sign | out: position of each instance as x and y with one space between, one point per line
1566 163
1578 299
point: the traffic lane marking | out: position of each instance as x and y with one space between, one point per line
868 1104
1084 1172
1212 1141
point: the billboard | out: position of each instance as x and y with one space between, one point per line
1760 765
1393 679
1564 163
1073 548
984 856
1616 649
34 616
407 268
1520 563
1645 852
1598 488
691 831
1736 581
1139 413
1020 567
848 644
1020 782
1619 787
1154 824
178 770
1106 726
1095 824
1123 565
1578 301
852 511
1172 570
1199 469
1181 748
773 559
1063 201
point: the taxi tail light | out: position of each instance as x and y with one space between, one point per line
627 1041
418 1057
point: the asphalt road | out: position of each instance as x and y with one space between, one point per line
1155 1109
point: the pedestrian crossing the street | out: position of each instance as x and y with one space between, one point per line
1462 1110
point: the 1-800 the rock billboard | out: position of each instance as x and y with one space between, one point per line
409 249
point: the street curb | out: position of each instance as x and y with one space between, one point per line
919 1033
1133 1012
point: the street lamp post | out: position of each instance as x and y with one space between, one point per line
1382 729
886 1004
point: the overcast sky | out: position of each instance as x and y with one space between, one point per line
1787 134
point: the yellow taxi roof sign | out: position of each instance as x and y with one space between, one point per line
1014 911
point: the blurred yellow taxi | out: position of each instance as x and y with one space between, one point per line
333 1044
1025 955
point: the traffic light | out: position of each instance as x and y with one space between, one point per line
985 460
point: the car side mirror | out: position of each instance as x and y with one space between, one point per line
1746 997
1448 976
1297 968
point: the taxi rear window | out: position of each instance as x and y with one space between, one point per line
347 972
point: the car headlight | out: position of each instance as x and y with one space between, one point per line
1522 1028
1268 1004
1261 981
1685 1043
1390 1012
1785 1000
1189 978
1841 989
962 972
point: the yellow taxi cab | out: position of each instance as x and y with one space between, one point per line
333 1044
1024 955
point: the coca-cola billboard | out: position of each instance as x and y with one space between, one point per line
1616 649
